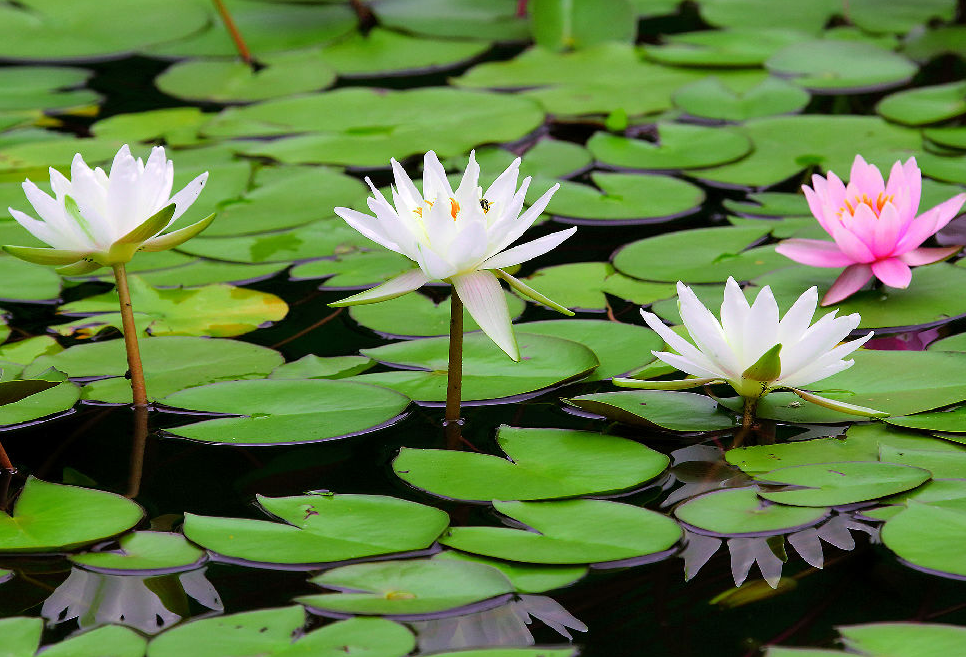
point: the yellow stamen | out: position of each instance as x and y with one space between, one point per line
454 208
875 205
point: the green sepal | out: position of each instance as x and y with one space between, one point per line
767 368
177 237
74 211
45 256
13 391
528 291
78 268
149 227
834 405
682 384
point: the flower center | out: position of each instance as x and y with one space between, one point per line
875 205
454 208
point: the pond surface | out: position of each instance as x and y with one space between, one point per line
298 468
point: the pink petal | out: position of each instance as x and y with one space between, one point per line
913 183
851 245
926 256
886 231
948 209
866 177
817 206
863 224
835 190
848 283
893 272
816 253
926 224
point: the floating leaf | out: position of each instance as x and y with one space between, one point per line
487 372
740 511
624 198
674 148
898 16
54 400
384 52
570 531
710 98
584 286
280 411
417 315
677 411
317 239
51 517
158 552
25 281
924 105
573 25
357 269
315 367
107 641
833 484
540 464
473 19
722 48
320 528
406 589
810 16
834 66
21 636
928 536
525 577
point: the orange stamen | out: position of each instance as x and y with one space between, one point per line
454 208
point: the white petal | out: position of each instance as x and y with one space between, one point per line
435 184
707 334
368 226
686 365
820 337
528 250
59 183
467 248
436 267
404 185
734 312
187 196
471 180
483 297
46 233
793 325
505 186
518 227
682 346
394 287
761 328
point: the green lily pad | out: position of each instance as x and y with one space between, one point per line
570 532
171 363
267 28
577 25
624 198
810 16
711 98
52 401
280 411
199 272
674 148
713 254
547 158
584 286
846 482
60 30
928 536
770 205
924 105
106 641
740 511
21 635
948 168
366 127
945 493
26 350
417 315
827 142
278 633
384 52
51 517
357 269
835 66
217 310
468 19
318 239
898 16
951 421
941 463
25 281
676 411
158 552
316 367
176 125
221 81
320 528
30 92
539 464
952 137
723 48
487 372
511 652
525 577
406 589
617 346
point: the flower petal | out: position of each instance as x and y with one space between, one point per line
707 333
796 321
188 194
176 237
815 253
369 226
836 405
528 291
926 224
394 287
680 345
848 283
527 251
885 234
926 256
483 297
893 272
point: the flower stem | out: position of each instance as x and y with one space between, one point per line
747 421
236 36
137 451
454 377
5 460
130 338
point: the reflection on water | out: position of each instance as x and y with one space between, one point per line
146 603
506 625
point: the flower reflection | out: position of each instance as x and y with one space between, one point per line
146 603
505 625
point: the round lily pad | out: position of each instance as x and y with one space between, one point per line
200 272
354 270
317 239
677 411
837 66
540 464
810 16
713 254
50 517
584 286
674 148
176 125
157 552
106 641
25 281
406 590
487 372
619 347
580 25
846 482
278 633
170 364
470 19
52 401
898 16
216 310
316 367
416 315
21 635
928 536
280 411
722 48
624 198
913 639
570 531
525 577
547 158
318 529
710 98
741 512
924 105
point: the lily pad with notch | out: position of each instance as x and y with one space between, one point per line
487 372
317 367
319 528
285 411
407 590
525 577
50 517
539 464
846 482
353 270
140 551
929 536
624 198
830 66
711 98
742 512
673 150
672 410
924 105
584 286
570 532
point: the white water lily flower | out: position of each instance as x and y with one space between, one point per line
97 219
752 350
460 237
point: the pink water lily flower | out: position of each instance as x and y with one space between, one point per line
874 225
